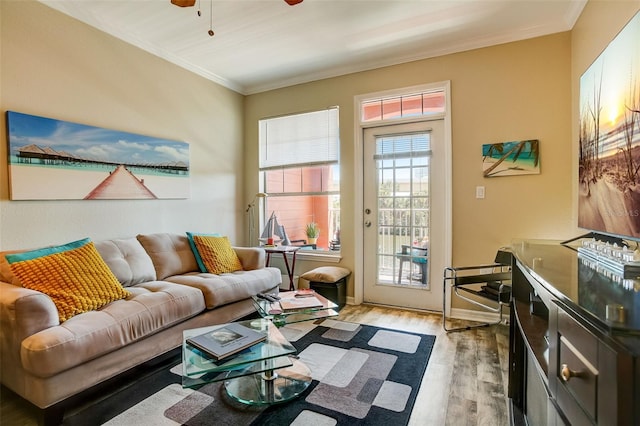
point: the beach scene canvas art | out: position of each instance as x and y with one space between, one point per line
52 159
511 158
609 138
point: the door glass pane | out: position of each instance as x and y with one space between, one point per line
372 110
391 108
433 102
411 105
403 209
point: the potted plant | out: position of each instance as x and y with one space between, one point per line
312 232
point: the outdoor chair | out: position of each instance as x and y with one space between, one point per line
413 255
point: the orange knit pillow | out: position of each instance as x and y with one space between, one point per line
77 280
217 254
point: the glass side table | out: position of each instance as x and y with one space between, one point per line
268 310
263 374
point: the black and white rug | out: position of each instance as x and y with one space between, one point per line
362 375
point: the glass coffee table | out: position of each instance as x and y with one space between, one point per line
269 310
263 374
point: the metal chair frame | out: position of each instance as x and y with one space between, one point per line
461 278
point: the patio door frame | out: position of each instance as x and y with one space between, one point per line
359 216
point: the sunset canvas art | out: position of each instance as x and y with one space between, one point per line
52 159
609 138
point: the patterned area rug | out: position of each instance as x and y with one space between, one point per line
362 375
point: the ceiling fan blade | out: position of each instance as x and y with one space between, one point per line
189 3
183 3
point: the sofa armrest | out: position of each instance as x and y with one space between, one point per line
251 257
24 312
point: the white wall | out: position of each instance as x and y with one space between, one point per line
54 66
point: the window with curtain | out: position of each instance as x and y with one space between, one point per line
299 170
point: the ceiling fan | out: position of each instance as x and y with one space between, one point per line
189 3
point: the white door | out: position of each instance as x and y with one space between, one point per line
404 215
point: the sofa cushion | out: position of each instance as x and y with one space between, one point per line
127 260
170 253
194 249
251 257
217 255
5 269
151 307
73 275
222 289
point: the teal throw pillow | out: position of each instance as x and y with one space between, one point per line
194 249
46 251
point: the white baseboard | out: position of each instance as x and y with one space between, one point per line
465 314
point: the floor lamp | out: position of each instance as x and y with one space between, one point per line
250 210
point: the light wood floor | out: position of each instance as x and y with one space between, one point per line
467 375
465 382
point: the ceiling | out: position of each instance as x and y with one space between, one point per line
266 44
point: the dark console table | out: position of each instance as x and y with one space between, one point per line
574 340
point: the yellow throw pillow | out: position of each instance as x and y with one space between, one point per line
77 280
217 254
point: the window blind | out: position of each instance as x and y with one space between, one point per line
403 146
299 139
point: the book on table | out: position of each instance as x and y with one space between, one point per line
226 341
305 292
293 303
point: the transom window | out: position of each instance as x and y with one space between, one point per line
405 106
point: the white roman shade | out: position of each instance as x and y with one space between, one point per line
299 140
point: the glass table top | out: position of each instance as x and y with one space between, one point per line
268 355
280 317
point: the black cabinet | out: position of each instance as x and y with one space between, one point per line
571 361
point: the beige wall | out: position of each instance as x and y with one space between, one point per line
52 65
509 92
55 66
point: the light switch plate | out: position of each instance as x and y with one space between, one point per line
479 192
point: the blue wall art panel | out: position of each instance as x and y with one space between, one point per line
58 160
511 158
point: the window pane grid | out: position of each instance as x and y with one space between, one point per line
297 180
300 195
398 107
403 198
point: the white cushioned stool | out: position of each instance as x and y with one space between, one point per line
330 282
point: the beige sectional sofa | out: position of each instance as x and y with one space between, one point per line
46 361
